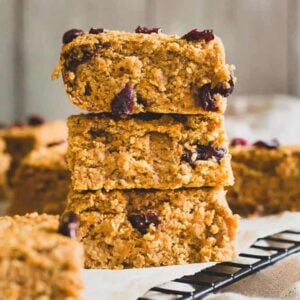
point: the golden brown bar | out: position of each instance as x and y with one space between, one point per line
126 73
143 228
147 151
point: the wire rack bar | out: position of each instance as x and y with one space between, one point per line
212 279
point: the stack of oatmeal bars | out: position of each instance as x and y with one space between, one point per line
149 164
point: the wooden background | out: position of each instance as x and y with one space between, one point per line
262 38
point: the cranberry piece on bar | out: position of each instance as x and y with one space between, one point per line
196 35
147 30
207 152
152 218
69 224
138 221
71 34
205 98
141 222
225 92
239 142
124 101
96 30
35 120
186 156
203 152
271 144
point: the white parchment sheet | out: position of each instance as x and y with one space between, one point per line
280 280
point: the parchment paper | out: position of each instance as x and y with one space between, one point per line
132 283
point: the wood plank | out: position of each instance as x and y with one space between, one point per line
176 16
262 38
45 22
293 47
7 54
254 33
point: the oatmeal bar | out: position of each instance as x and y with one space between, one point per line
147 151
36 262
41 182
23 138
142 228
4 166
266 180
125 73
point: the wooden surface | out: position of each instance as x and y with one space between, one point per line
262 38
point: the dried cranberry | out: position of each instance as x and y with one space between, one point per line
152 218
49 145
124 101
195 35
239 142
138 222
147 30
141 222
186 156
87 89
69 224
207 152
71 34
225 92
271 144
203 153
205 98
35 120
205 95
96 30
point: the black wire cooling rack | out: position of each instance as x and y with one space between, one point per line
263 253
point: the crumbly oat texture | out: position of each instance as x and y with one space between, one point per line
36 262
20 140
148 151
4 167
41 182
166 73
267 181
142 228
